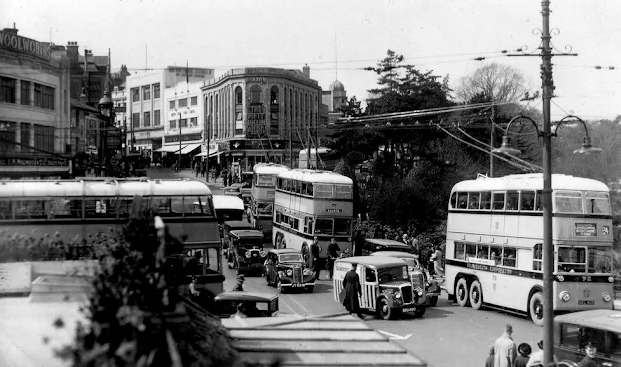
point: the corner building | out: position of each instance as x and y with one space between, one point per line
256 114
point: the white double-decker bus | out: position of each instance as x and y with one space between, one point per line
495 236
262 197
312 203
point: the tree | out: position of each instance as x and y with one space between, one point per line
498 82
351 108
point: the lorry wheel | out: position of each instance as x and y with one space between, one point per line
535 308
476 295
383 309
461 292
433 301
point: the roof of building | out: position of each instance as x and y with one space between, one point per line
337 86
331 340
82 105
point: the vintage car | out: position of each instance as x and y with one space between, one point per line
225 229
426 290
286 270
385 282
372 245
240 189
228 208
245 252
255 304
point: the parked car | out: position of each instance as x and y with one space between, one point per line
256 304
385 282
286 270
245 252
601 328
372 245
426 290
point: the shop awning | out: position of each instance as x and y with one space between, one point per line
190 147
168 148
211 154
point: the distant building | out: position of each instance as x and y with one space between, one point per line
35 139
334 98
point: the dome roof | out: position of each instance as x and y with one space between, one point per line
337 86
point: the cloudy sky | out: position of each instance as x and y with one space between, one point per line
337 39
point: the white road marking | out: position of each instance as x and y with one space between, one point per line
395 336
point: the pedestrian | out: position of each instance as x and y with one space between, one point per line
589 360
351 286
489 362
230 178
536 358
505 350
240 283
193 291
224 179
314 250
523 355
333 254
197 168
358 243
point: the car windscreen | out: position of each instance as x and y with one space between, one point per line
290 257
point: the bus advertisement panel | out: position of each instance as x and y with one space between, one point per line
495 236
312 204
262 197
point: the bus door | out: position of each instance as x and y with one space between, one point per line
369 287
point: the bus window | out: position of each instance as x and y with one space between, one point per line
527 202
473 200
486 200
453 202
323 191
30 209
495 253
538 257
499 201
460 250
126 205
200 206
508 257
100 207
568 201
65 208
597 203
323 226
342 227
513 198
343 192
462 200
471 250
572 259
483 252
539 201
6 209
309 189
600 260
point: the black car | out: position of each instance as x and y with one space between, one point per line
254 304
245 253
286 270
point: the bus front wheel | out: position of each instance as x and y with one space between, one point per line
476 295
535 308
461 292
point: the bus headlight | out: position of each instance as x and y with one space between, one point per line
306 272
611 279
289 272
565 296
606 297
248 254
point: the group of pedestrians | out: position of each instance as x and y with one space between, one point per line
503 353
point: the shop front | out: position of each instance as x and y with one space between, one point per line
35 168
248 152
188 145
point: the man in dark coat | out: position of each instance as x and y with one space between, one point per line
314 250
333 254
240 283
351 285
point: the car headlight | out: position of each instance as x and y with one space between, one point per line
419 292
248 254
606 297
397 294
263 254
289 272
306 272
565 296
281 273
611 279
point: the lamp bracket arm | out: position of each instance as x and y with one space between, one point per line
539 132
572 118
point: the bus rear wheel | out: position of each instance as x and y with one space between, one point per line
535 308
476 295
461 292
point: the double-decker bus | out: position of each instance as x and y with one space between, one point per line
262 197
72 210
309 204
494 244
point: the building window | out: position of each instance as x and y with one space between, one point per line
7 135
194 121
43 96
25 93
171 105
172 124
156 118
239 95
44 137
25 134
7 93
147 119
255 94
184 123
146 93
194 101
274 95
136 119
183 102
156 91
135 95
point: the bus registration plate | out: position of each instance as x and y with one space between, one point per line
409 309
587 303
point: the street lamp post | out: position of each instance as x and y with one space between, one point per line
548 248
105 107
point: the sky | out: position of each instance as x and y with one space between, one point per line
337 39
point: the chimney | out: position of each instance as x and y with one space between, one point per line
306 70
10 30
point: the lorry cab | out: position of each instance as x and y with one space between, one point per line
385 282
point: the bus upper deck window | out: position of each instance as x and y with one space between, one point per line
486 200
568 201
6 209
513 198
453 201
309 189
462 200
527 200
597 203
473 200
499 201
460 250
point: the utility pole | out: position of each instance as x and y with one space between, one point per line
124 151
291 144
492 133
308 146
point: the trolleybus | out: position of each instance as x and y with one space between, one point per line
262 200
495 237
72 210
312 204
